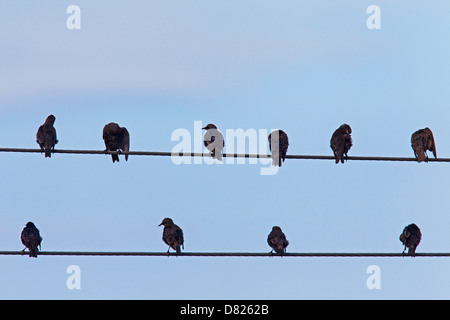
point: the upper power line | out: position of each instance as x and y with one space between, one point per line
225 155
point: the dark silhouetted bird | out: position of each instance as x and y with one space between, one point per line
172 235
278 144
277 240
31 239
46 136
341 142
214 142
421 141
116 138
410 238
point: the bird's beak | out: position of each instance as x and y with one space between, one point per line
204 128
159 225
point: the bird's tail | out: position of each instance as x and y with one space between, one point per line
283 157
33 252
276 159
280 249
115 157
48 152
421 156
217 154
178 249
338 157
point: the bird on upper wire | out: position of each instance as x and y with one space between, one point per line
213 141
278 145
341 142
421 141
116 138
46 136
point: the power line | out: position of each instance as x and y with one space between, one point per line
226 155
227 254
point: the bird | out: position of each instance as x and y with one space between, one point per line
172 235
410 238
421 141
213 141
46 136
278 144
341 142
116 138
277 240
31 239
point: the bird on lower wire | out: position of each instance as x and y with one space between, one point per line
31 239
277 240
172 235
410 238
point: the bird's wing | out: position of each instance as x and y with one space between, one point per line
284 142
125 142
105 133
53 135
432 146
179 234
270 142
40 135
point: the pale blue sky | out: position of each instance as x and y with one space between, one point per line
303 66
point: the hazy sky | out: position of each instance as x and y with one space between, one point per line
155 66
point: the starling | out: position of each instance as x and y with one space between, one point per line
172 235
421 141
46 136
214 142
341 142
31 239
277 240
116 138
410 238
278 144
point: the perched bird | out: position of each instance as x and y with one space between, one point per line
172 235
116 138
421 141
278 144
341 142
277 240
31 239
46 136
410 238
214 142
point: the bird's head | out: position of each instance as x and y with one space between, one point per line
30 225
276 228
50 119
166 222
210 126
428 130
345 128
